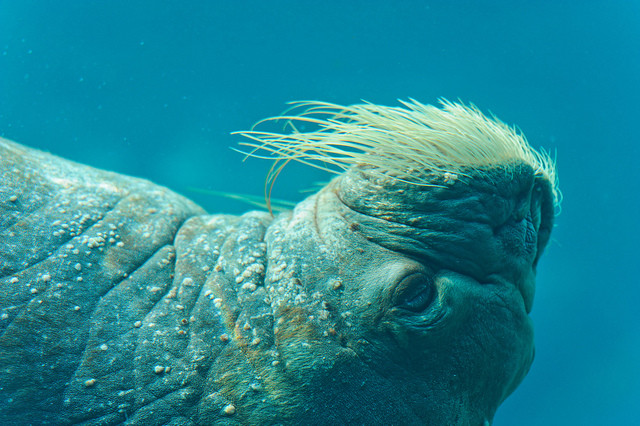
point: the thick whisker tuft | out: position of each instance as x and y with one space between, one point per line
408 143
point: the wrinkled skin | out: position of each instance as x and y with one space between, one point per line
372 302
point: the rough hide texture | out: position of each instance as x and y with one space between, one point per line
372 302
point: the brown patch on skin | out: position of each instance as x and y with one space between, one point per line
294 324
264 365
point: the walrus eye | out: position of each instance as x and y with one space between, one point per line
414 293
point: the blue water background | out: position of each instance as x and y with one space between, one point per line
153 89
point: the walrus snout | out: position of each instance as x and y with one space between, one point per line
520 236
529 215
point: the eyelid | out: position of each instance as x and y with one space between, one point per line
415 292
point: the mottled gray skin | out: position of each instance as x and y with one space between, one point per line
372 302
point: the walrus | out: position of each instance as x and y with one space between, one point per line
399 293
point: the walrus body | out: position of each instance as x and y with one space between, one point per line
374 301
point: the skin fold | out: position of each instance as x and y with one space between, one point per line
373 301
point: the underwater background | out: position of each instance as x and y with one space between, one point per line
154 88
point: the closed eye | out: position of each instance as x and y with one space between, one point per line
414 293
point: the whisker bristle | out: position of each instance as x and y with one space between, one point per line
407 143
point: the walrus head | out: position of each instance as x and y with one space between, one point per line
397 294
403 287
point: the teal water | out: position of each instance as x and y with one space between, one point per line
153 89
